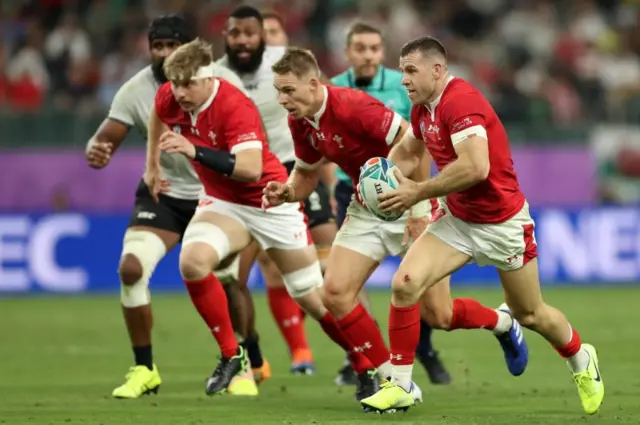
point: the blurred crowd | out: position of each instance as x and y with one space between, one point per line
563 62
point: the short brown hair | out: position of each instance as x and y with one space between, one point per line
300 62
271 14
426 45
185 61
361 28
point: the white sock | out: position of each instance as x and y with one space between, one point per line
505 321
401 375
385 369
579 361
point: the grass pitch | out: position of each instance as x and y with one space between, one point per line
60 358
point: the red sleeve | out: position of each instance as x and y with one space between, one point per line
164 99
415 122
374 120
464 115
307 157
242 125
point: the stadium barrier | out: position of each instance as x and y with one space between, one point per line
75 252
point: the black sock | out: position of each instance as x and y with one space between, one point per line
424 349
253 351
143 356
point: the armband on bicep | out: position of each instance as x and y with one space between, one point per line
220 161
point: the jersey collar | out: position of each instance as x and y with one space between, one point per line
194 115
432 106
316 117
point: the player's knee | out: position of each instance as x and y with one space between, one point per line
134 290
141 252
337 296
203 245
195 264
407 287
130 270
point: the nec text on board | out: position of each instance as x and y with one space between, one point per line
77 252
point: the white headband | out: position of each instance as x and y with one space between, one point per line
204 72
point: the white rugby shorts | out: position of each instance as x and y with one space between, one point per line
366 234
507 246
282 227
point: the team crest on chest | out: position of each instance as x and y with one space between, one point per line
176 129
338 140
320 137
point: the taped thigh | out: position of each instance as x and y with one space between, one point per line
149 249
303 281
210 234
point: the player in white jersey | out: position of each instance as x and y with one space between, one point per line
157 223
248 56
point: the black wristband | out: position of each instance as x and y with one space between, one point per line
220 161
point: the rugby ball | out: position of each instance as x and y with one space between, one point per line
377 177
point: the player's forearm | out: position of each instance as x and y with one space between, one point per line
220 161
407 151
327 174
456 177
422 170
154 130
244 166
303 184
153 154
110 132
405 160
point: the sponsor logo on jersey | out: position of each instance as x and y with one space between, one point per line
462 124
247 137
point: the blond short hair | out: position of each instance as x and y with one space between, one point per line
300 62
184 62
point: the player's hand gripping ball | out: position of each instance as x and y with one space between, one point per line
377 176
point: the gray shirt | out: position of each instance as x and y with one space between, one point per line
132 105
